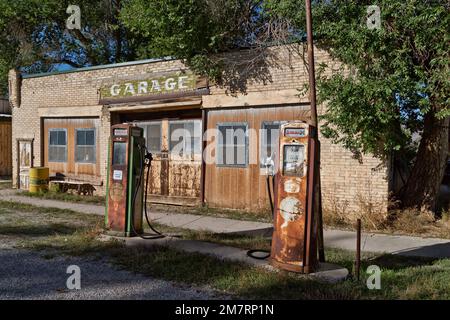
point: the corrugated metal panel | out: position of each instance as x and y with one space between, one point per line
89 172
5 148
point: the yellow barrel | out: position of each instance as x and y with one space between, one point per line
38 179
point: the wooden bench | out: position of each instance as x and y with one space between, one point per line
82 188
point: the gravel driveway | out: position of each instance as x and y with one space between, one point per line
29 275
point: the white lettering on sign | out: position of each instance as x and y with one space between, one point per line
170 84
129 88
117 175
156 84
115 90
181 82
142 87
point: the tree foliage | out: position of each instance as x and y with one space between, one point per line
398 73
194 30
34 37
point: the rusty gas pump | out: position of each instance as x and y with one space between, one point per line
124 203
294 240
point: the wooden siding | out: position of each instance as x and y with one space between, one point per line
89 172
244 188
5 148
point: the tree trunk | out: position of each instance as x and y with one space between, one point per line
422 187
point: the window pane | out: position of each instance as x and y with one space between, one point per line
90 137
270 132
61 154
57 154
81 137
154 137
62 137
53 137
176 132
85 154
185 137
232 145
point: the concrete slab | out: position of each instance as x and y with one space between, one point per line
327 272
331 273
180 221
394 244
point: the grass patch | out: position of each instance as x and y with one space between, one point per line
213 212
401 222
5 185
54 232
68 197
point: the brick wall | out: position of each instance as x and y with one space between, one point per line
346 182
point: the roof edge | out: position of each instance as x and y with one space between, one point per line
99 67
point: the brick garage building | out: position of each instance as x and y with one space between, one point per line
66 117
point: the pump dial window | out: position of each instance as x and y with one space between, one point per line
293 160
119 153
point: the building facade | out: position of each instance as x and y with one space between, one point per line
64 119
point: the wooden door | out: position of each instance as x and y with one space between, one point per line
176 168
5 148
25 162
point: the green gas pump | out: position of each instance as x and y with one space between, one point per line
125 185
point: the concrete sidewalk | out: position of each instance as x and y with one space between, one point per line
371 242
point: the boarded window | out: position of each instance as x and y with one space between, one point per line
232 144
85 146
57 146
269 137
152 134
185 137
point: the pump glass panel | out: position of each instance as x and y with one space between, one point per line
293 160
119 153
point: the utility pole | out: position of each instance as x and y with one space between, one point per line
315 192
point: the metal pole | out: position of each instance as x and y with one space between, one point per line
358 248
312 74
315 156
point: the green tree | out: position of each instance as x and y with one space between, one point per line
398 84
194 30
34 37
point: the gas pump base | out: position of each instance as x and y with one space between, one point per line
292 267
120 234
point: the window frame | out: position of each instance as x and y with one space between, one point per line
57 145
94 146
246 145
184 121
263 139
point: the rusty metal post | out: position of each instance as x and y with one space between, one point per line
320 239
311 71
203 168
358 248
315 155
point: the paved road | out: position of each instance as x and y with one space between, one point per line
27 275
